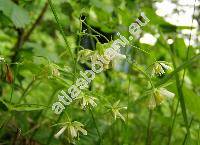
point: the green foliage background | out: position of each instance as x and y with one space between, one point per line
38 64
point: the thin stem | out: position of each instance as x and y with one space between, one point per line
18 45
188 48
96 126
23 37
129 82
148 138
180 93
127 111
26 90
173 123
61 29
198 139
41 112
185 139
13 84
146 75
74 61
37 21
96 31
181 85
178 69
53 131
79 42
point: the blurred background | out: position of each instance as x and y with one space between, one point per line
148 96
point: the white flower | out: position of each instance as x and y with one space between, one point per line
164 92
72 130
87 100
57 135
85 55
167 67
117 60
115 108
152 103
2 59
159 68
120 56
159 96
55 72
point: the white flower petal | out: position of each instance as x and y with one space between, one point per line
73 131
152 103
83 131
166 93
167 67
57 135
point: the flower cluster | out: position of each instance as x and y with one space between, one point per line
158 96
160 67
71 130
99 63
115 109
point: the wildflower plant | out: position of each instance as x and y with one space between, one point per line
158 96
87 101
93 61
160 67
115 110
71 131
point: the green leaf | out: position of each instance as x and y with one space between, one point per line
180 45
27 107
192 101
102 47
16 14
6 6
178 69
19 17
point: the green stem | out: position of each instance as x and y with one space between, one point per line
61 29
79 42
180 93
129 82
181 85
185 139
198 139
96 31
13 84
41 112
98 132
173 123
26 90
148 138
74 61
188 48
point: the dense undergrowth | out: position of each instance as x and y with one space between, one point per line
148 95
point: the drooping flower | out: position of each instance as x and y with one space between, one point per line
118 59
85 55
60 132
152 102
71 129
105 61
115 109
2 59
53 70
87 100
159 96
159 68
